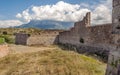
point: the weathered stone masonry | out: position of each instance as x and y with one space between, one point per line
86 38
45 37
114 56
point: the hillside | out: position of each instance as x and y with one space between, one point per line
53 61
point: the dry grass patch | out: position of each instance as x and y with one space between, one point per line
50 62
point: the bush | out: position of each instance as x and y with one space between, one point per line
8 38
4 33
2 40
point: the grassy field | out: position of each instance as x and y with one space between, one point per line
50 62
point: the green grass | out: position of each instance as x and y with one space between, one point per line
2 40
51 62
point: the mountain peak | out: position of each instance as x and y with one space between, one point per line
47 24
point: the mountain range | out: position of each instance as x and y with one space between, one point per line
47 24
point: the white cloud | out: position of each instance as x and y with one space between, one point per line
9 23
19 15
62 11
102 13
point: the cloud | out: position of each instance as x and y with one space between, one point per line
62 11
9 23
102 13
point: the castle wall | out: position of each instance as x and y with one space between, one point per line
73 35
95 39
100 36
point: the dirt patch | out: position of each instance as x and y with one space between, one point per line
26 49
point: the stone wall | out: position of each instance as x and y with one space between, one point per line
73 35
92 39
45 38
100 36
113 67
21 38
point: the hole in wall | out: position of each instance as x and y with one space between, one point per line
81 40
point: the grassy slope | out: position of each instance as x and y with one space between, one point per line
50 62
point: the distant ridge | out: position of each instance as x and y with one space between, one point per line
46 24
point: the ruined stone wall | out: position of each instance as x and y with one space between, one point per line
113 67
100 36
74 34
94 39
47 38
44 37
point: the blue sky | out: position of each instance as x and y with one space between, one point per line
9 9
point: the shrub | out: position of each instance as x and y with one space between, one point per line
8 38
4 33
2 40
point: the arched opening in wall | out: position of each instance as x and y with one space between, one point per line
81 40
